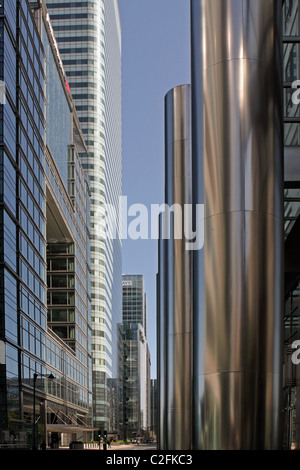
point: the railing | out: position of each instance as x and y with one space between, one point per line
14 446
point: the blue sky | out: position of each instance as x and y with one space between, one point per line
155 58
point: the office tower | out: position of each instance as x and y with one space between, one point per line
136 364
89 39
45 359
134 304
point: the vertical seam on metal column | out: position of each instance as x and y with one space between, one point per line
244 233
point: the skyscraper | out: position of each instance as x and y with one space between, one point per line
134 305
89 39
136 364
45 315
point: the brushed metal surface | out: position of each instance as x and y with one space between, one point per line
178 191
238 178
238 174
162 335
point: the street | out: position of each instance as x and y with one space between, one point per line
151 446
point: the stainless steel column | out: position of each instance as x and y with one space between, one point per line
179 267
162 337
236 73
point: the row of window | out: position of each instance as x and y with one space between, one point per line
32 255
32 339
8 285
60 298
11 406
74 27
71 392
8 128
32 206
29 175
8 9
67 5
8 249
32 67
8 65
7 182
64 362
61 264
32 307
33 153
30 279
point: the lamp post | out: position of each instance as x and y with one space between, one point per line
35 376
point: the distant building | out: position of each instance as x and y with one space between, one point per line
136 364
154 409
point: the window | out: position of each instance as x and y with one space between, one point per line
59 298
9 241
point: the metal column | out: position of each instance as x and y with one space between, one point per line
161 338
238 175
176 409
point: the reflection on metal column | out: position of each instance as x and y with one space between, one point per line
162 337
176 430
236 73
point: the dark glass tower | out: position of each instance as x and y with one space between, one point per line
23 312
44 306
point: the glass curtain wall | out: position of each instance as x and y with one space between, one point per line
291 73
28 348
23 236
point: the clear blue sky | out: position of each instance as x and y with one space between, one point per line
155 58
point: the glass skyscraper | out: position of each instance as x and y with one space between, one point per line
44 209
136 363
89 39
134 305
